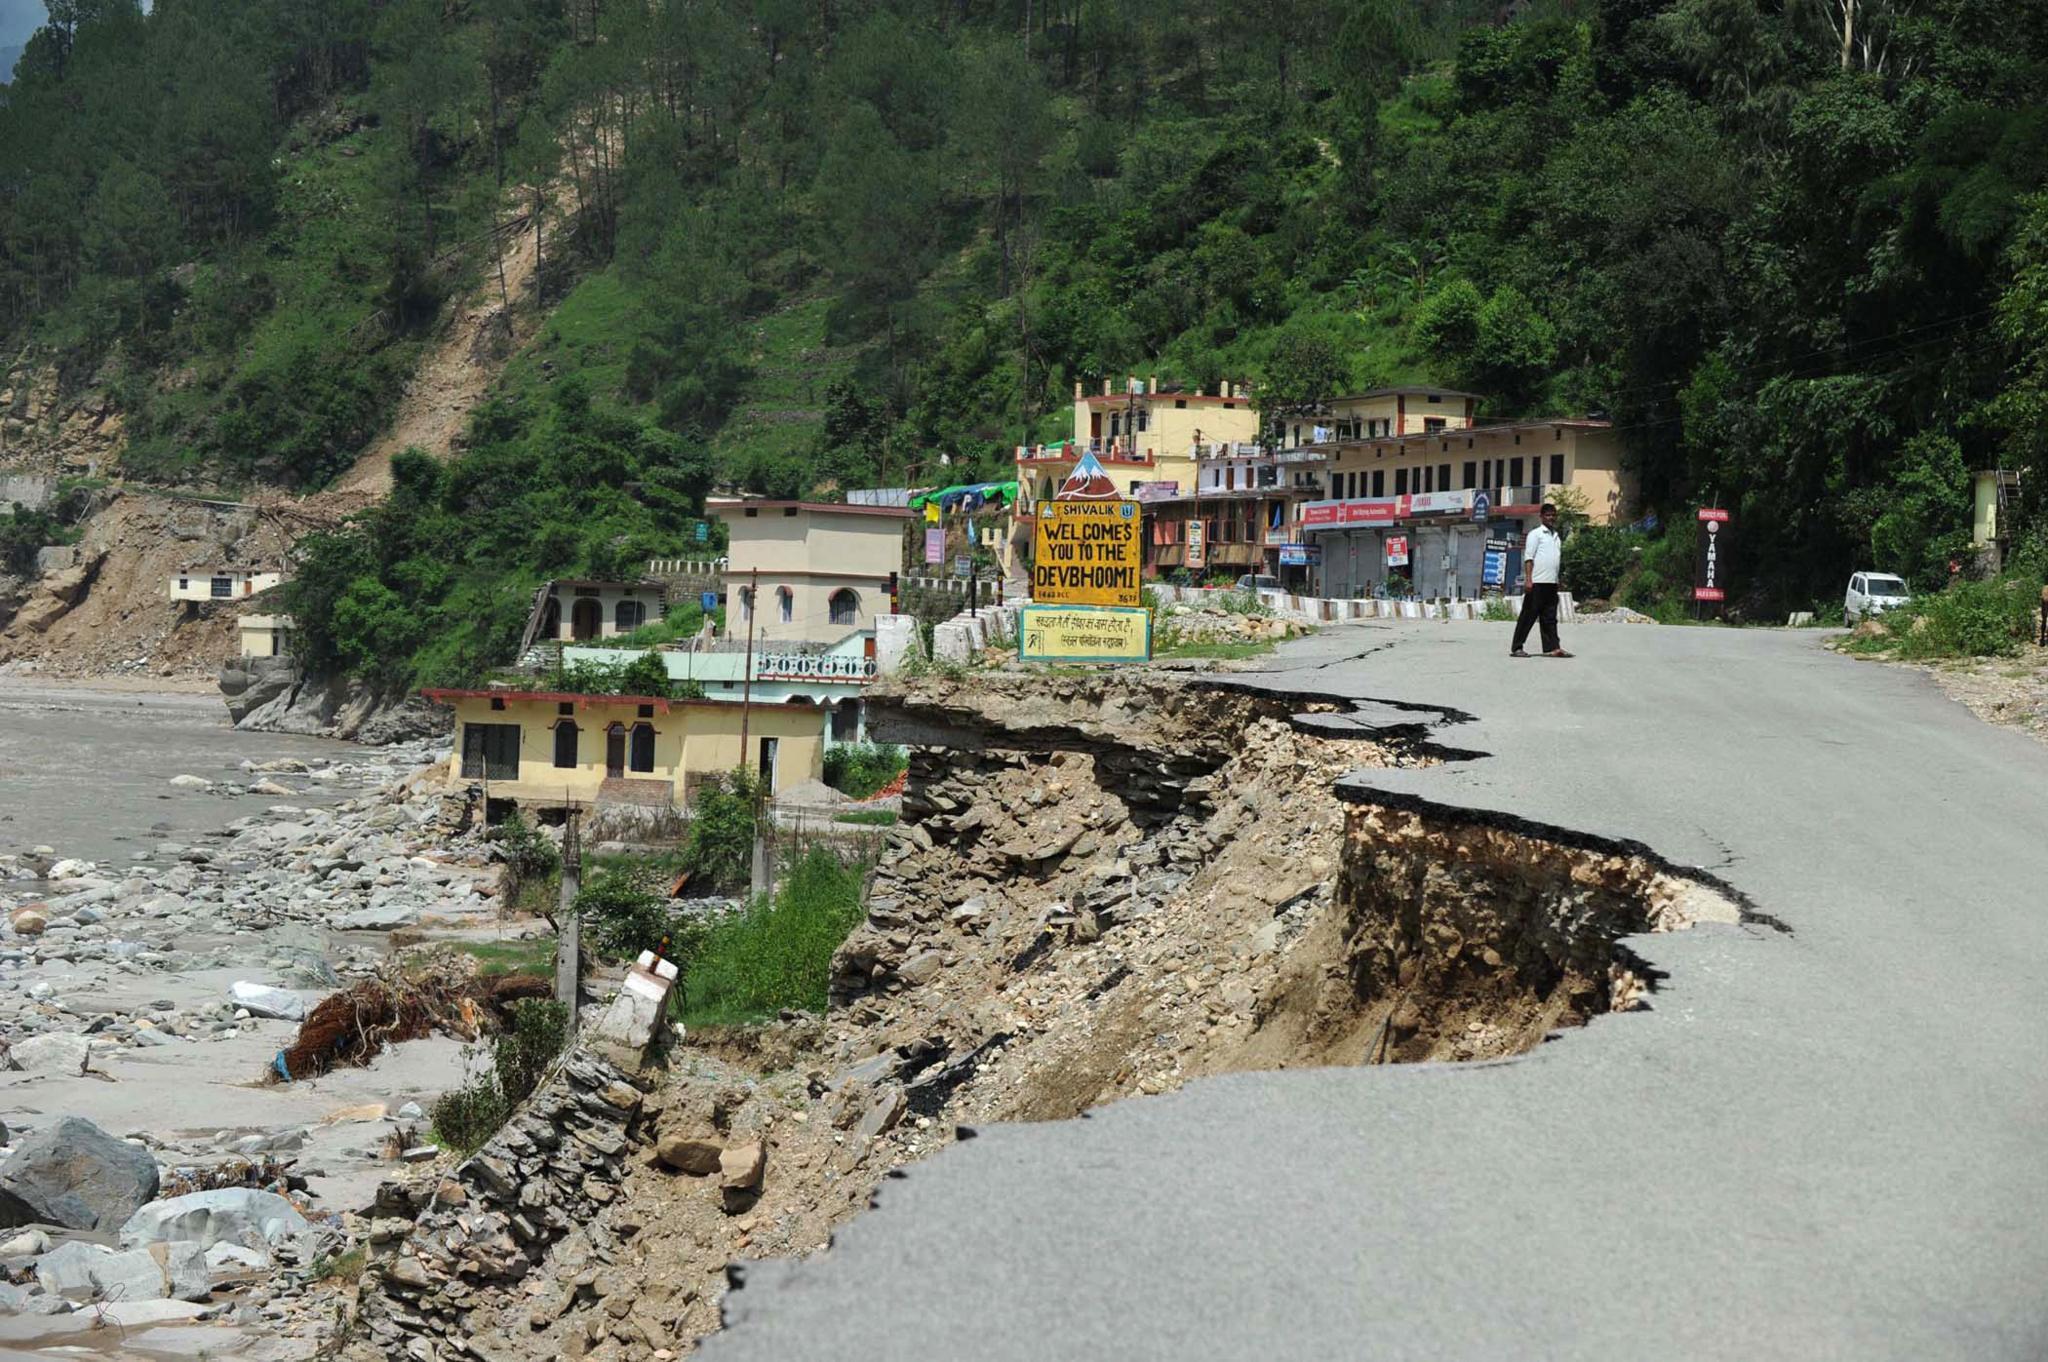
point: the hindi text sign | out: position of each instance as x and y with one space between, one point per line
1082 633
1087 554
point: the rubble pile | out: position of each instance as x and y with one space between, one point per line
452 1255
1183 624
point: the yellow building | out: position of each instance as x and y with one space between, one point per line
1140 433
1512 463
1382 413
547 749
820 570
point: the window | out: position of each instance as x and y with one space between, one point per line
746 602
646 711
1428 478
1400 482
221 586
1514 472
785 603
1180 404
184 583
497 702
1379 482
629 615
845 606
1557 468
490 751
643 747
1144 418
1471 474
565 708
1434 398
1432 424
1443 477
565 745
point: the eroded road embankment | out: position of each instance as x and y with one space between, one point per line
1102 888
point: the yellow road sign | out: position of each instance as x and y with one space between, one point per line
1088 553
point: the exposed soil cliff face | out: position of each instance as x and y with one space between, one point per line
1103 887
107 609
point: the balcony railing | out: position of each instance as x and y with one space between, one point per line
1108 451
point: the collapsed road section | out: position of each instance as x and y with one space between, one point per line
1104 886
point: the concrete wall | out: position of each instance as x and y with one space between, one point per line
809 604
793 540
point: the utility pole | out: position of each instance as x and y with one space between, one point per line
747 675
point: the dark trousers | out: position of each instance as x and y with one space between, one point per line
1539 602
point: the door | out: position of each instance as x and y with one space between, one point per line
615 751
586 620
768 746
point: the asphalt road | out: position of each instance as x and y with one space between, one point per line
1827 1143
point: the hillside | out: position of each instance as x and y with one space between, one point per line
1802 275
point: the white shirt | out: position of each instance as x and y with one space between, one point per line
1542 551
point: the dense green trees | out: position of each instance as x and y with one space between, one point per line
1804 278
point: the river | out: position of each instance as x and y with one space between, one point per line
87 772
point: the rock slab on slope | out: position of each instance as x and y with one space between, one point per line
75 1175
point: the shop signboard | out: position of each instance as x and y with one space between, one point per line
1493 569
1324 513
1397 550
1198 544
1438 503
935 546
1087 553
1083 633
1710 576
963 566
1482 504
1301 555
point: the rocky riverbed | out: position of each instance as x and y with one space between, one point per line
144 1002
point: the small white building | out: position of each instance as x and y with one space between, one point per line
222 584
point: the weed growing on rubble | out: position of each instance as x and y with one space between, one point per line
720 849
777 953
860 769
622 917
1498 610
519 1056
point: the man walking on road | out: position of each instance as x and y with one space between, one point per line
1542 554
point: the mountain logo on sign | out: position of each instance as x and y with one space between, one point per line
1088 482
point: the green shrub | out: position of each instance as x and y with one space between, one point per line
529 854
1236 602
621 917
778 953
646 674
1595 557
535 1033
1970 619
860 769
720 849
1498 610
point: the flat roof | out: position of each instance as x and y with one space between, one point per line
722 507
1467 432
1119 399
1404 391
444 696
606 581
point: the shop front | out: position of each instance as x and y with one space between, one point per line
1431 546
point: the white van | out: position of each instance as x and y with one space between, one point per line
1873 593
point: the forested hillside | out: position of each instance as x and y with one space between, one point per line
1796 250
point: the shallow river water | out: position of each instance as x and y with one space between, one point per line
88 772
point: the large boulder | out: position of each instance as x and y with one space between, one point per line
59 1052
225 1214
75 1175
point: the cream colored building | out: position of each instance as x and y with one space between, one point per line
544 749
265 635
1383 413
1513 464
222 584
808 571
576 611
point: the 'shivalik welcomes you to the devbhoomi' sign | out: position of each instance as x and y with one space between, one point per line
1088 553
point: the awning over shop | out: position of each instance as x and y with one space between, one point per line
967 496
